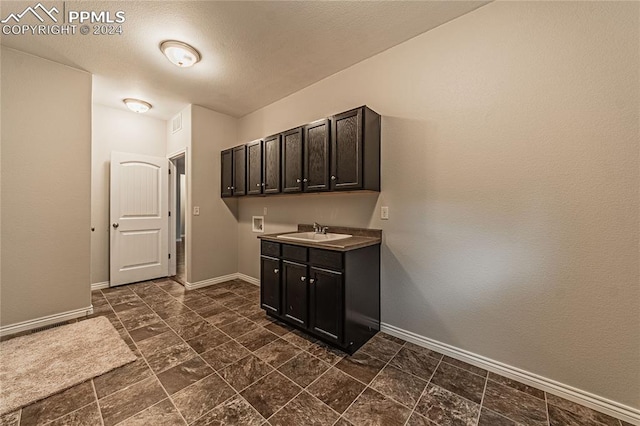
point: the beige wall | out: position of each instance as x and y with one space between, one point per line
510 167
46 188
211 236
115 130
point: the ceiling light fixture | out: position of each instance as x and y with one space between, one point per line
136 105
180 53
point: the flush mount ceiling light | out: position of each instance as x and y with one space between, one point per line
180 53
136 105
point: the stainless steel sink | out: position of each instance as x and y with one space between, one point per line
313 237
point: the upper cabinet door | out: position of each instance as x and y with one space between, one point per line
316 156
292 160
254 168
226 178
346 150
271 165
239 170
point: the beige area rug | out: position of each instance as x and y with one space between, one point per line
38 365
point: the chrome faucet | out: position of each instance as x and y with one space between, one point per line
319 229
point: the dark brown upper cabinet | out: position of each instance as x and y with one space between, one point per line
355 150
340 153
226 178
239 170
271 165
254 168
233 176
292 160
316 156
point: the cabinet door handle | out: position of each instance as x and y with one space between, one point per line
312 280
304 180
233 187
298 180
303 278
264 184
258 184
333 178
275 271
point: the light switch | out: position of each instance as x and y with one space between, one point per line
196 211
384 213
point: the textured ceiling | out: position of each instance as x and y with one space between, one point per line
253 53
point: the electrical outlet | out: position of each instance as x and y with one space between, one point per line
384 213
196 211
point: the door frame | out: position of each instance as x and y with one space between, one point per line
173 206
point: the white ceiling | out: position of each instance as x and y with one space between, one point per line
253 53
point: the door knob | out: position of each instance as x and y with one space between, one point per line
115 225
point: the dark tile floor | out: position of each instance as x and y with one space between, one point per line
212 357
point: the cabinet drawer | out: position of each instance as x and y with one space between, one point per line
269 248
326 258
294 253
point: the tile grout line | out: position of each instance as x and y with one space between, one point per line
70 412
371 381
393 366
424 390
95 393
303 389
484 391
546 409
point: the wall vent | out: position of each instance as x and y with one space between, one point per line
48 327
176 123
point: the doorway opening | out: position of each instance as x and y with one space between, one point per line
178 222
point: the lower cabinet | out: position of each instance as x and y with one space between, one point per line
325 303
296 292
270 284
332 295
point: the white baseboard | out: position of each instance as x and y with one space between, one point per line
44 321
210 281
218 280
98 286
604 405
247 278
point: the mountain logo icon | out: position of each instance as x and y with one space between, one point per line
38 11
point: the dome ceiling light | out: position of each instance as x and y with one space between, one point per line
136 105
179 53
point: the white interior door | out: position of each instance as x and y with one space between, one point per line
139 218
